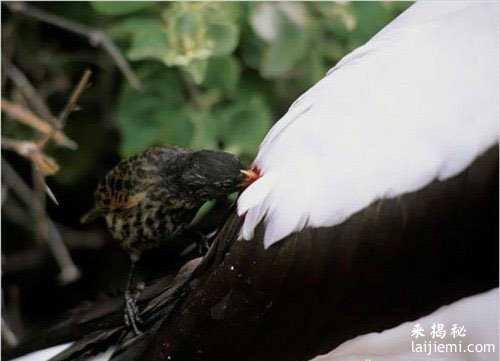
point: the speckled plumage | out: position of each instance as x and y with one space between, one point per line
152 197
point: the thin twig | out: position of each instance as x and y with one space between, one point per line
9 36
69 271
31 150
14 211
27 117
51 194
71 104
29 91
34 151
21 147
39 204
95 37
69 107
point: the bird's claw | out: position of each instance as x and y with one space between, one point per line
204 242
131 316
203 247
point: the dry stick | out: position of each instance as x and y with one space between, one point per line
45 228
24 116
69 107
44 163
71 104
29 91
32 151
69 271
39 204
95 37
51 194
61 122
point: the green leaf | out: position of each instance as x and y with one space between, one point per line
205 129
203 211
186 33
231 11
197 31
156 115
252 48
223 73
371 17
150 41
285 51
197 69
120 7
314 67
130 26
242 126
175 127
187 23
224 36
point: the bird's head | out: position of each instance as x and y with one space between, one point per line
211 174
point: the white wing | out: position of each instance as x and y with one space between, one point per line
478 315
418 102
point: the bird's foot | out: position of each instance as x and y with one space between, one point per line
131 316
200 246
203 246
204 242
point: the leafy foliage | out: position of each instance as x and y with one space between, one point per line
191 57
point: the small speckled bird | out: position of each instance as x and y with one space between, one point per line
151 198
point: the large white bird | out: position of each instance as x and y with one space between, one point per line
375 203
418 102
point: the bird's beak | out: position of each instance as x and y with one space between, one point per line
251 175
91 215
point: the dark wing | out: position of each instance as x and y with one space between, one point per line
394 261
94 325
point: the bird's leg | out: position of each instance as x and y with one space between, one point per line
203 244
200 244
131 295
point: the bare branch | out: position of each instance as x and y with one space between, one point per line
95 37
29 91
25 116
51 194
69 271
38 207
68 108
71 104
30 150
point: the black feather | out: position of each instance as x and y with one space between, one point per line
392 262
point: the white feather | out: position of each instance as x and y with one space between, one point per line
48 353
418 102
478 314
